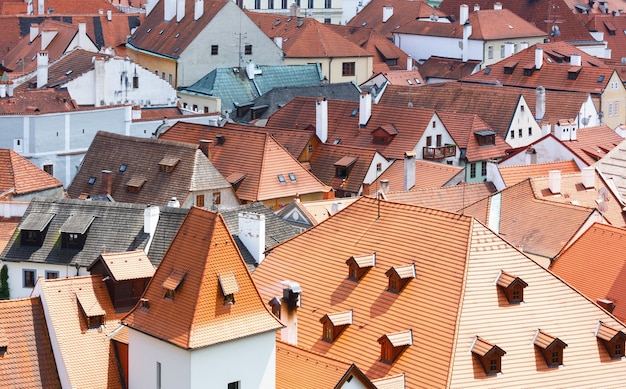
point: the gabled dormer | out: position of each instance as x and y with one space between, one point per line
573 72
34 227
399 277
489 355
485 138
392 345
167 164
229 286
358 266
334 324
74 231
344 165
550 347
135 184
612 339
172 282
383 135
91 309
509 67
529 69
512 287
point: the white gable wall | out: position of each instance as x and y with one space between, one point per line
433 131
547 150
423 47
523 119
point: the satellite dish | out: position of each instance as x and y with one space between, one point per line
603 206
623 60
585 121
603 194
555 31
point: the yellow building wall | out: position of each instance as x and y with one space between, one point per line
154 64
614 102
332 68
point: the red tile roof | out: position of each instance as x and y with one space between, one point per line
611 26
128 265
446 68
195 317
450 198
518 173
20 176
427 175
7 228
327 156
75 7
591 139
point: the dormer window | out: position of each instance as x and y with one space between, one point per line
489 355
144 304
229 286
392 345
91 309
529 69
275 304
167 164
358 266
74 231
512 287
34 227
550 347
572 73
399 277
334 324
344 165
135 184
612 339
486 137
172 282
384 134
509 67
608 305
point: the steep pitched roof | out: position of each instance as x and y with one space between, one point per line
37 102
454 296
195 318
447 68
611 26
591 139
326 156
137 164
612 166
74 7
7 228
29 361
19 175
128 265
449 198
87 355
255 155
518 173
427 175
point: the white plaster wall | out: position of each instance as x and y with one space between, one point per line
16 277
548 150
372 174
228 198
423 47
588 110
523 119
439 129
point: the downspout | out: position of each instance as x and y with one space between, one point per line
330 62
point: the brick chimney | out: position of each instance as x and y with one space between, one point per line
107 181
205 147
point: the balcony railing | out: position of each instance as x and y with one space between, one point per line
439 152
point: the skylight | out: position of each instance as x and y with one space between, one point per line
337 141
123 168
92 180
487 71
281 179
292 177
354 112
601 78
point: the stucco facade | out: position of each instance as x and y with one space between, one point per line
332 68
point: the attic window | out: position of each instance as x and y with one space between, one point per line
161 32
399 277
354 112
529 69
144 304
148 30
550 347
292 177
275 304
489 355
382 135
123 168
337 141
172 282
229 286
68 72
220 139
392 345
334 324
167 164
608 305
513 287
74 231
34 227
358 266
509 67
91 309
612 339
601 78
177 35
572 73
135 184
281 179
486 137
92 180
343 165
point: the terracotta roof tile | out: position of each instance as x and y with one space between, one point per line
518 173
327 157
591 139
615 41
128 265
37 102
22 176
446 68
449 198
427 175
7 228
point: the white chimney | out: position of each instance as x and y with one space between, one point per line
321 119
387 12
252 70
42 69
476 7
508 49
523 46
82 34
572 132
3 89
365 108
252 234
463 14
589 177
150 219
47 35
575 60
554 181
136 115
41 7
100 77
10 87
409 63
198 9
540 103
538 58
467 32
34 31
409 169
169 9
173 203
180 10
109 15
278 40
497 6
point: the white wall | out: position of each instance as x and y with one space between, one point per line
523 119
372 174
439 129
548 150
16 276
423 47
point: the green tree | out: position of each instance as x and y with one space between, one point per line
4 283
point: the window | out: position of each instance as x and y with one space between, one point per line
158 375
248 50
217 198
530 131
347 69
513 134
123 168
613 340
429 141
257 4
328 333
311 4
18 145
163 75
135 82
195 108
501 51
551 348
310 148
490 52
610 109
52 275
214 49
170 79
328 4
328 21
438 140
379 167
398 277
292 177
206 109
270 4
49 168
156 73
283 4
72 240
434 124
341 172
281 179
489 355
513 287
234 385
483 168
200 201
616 109
473 170
29 277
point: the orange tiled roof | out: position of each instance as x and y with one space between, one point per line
326 156
591 139
128 265
22 176
449 198
29 361
447 68
611 26
75 7
427 175
88 357
37 102
7 228
195 317
518 173
453 299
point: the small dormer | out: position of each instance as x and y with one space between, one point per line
392 345
167 164
229 286
135 184
550 347
221 139
608 305
172 282
34 227
275 304
485 138
383 135
509 67
573 72
358 266
489 355
399 277
74 231
612 339
344 165
512 287
334 324
91 309
529 69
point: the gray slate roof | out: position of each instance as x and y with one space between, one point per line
116 227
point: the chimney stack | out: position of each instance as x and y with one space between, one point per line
136 114
589 177
384 186
523 46
538 58
198 9
509 47
173 203
576 60
180 10
150 219
540 104
82 34
409 63
109 15
387 12
321 119
365 108
252 234
107 181
463 14
497 6
409 169
291 301
554 181
42 69
3 89
205 147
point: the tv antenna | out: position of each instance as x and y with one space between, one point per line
552 20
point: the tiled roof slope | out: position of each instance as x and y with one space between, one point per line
446 68
606 245
87 355
7 228
612 165
591 139
117 227
326 155
128 265
449 198
427 175
318 211
536 12
168 43
142 157
253 153
610 25
518 173
452 299
536 226
29 361
310 40
76 7
19 174
195 317
403 12
294 142
37 102
409 122
403 77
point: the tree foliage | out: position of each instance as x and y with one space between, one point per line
4 283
